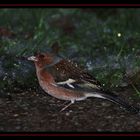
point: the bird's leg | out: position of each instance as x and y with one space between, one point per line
67 106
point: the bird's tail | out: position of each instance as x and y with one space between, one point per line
114 98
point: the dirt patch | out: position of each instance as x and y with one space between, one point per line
35 112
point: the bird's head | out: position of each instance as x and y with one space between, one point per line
42 59
47 58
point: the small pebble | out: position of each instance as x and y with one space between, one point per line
67 113
16 115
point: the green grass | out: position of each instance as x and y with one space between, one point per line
136 90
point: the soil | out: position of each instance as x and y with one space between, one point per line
30 111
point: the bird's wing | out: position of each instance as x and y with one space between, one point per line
69 74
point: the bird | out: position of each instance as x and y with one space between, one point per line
65 80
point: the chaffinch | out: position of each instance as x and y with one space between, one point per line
65 80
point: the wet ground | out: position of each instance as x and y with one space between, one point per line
29 111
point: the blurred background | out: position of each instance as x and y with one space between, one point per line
104 41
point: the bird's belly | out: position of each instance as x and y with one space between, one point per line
61 93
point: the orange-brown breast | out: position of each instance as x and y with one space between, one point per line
64 94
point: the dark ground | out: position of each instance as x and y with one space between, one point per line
34 112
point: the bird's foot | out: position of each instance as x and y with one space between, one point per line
67 106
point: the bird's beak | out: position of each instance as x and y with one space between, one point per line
32 58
